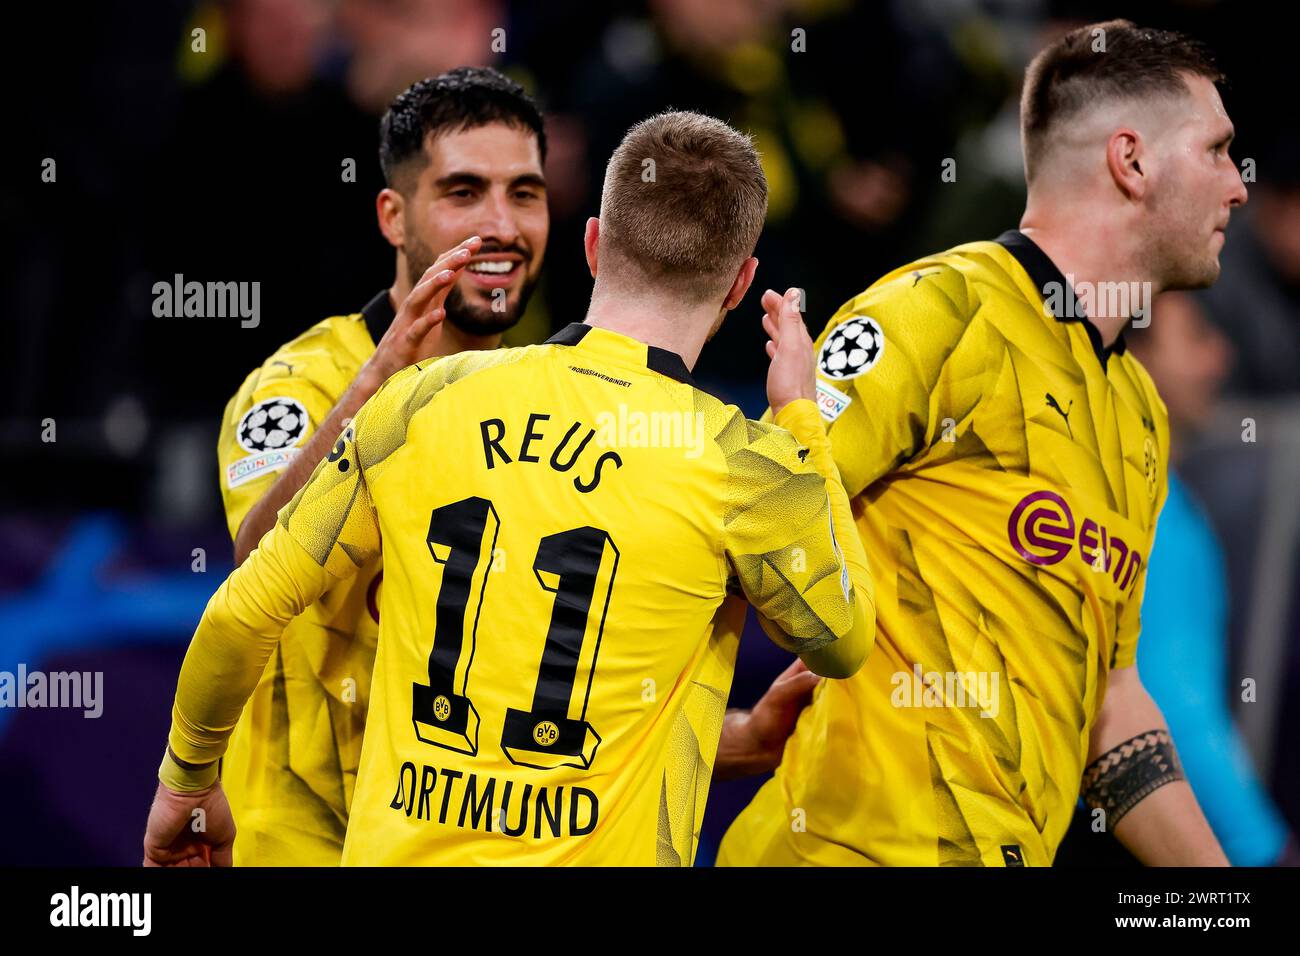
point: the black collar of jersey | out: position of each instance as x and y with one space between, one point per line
1043 272
657 360
378 315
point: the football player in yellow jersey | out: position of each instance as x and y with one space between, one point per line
562 526
463 154
1007 457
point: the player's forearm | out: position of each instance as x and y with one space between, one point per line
239 629
843 657
1169 829
1135 778
262 515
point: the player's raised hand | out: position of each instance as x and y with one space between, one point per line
773 718
791 375
753 741
189 829
407 338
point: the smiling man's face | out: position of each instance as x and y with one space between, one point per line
486 182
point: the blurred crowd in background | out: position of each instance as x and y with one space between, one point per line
226 164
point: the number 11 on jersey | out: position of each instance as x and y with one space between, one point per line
572 565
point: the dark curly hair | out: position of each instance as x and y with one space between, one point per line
464 98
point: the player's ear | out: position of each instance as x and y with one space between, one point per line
389 205
1124 159
590 239
743 280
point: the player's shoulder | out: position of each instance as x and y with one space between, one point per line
415 386
332 343
465 366
324 358
936 294
921 310
945 281
747 447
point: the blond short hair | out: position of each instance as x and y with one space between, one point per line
684 202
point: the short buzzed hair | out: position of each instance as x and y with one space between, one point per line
1102 62
684 202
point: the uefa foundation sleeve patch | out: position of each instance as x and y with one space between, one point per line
831 401
270 430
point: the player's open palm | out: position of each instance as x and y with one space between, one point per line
408 337
189 829
791 375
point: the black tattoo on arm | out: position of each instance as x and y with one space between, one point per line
1121 778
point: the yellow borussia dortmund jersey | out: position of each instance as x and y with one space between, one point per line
292 761
1007 471
561 526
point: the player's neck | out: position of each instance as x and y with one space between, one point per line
1095 256
402 285
655 321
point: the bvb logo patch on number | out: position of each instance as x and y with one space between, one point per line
441 707
546 733
852 348
271 424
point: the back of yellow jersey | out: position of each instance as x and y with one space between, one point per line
560 524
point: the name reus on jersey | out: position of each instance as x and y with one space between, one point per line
534 438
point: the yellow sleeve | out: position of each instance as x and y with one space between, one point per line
234 640
845 656
789 538
264 424
324 534
879 362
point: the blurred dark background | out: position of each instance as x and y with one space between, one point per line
226 165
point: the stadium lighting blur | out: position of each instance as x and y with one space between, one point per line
125 426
